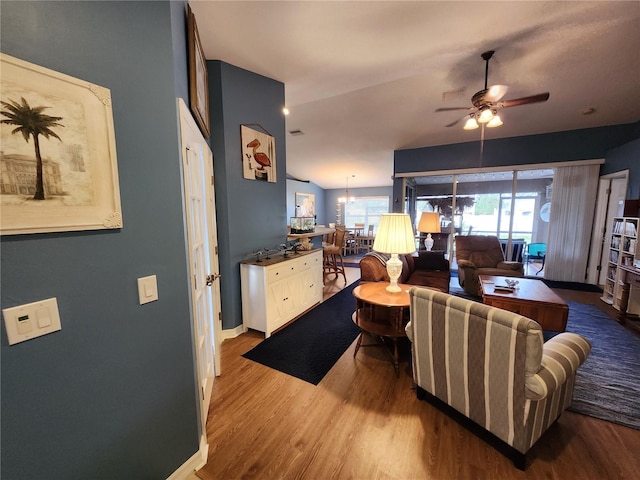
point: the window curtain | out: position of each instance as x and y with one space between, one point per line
571 219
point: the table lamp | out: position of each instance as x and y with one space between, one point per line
395 236
429 223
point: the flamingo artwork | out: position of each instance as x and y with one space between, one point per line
258 165
261 158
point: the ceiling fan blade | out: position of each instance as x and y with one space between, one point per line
495 93
456 122
541 97
450 109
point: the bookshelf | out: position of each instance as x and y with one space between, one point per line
622 251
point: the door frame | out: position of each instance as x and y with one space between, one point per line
188 132
606 209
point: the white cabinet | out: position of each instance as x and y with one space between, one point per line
624 240
277 290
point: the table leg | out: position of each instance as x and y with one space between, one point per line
358 344
396 363
624 302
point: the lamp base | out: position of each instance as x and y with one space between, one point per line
428 242
394 269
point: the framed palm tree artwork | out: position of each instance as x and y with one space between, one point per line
58 161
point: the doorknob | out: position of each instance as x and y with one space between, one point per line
211 278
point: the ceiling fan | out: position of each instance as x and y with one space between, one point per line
486 103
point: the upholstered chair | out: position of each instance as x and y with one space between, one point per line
482 255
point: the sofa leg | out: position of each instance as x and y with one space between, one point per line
519 460
421 393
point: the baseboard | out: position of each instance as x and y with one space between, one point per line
233 332
196 462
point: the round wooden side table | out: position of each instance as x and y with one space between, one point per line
381 313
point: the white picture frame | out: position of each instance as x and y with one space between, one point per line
78 153
305 204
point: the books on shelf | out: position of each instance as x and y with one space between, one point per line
625 227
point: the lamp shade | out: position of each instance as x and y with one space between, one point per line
395 234
429 222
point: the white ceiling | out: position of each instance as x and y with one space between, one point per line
363 78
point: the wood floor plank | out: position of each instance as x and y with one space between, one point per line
364 422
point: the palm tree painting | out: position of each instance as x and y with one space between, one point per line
30 122
58 163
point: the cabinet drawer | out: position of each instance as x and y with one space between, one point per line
283 270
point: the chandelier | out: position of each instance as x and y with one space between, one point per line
346 198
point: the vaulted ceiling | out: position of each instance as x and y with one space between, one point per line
364 78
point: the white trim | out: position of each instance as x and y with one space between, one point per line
196 462
531 166
234 332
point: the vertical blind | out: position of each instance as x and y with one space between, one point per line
572 208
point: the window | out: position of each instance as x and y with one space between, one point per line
367 210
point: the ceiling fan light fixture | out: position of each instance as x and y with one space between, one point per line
471 124
496 121
485 116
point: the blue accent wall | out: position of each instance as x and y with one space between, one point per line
622 158
113 394
296 186
586 144
251 214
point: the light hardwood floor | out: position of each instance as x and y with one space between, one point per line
363 422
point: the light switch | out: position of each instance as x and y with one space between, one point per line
44 319
31 320
147 289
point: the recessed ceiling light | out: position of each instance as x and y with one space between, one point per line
285 110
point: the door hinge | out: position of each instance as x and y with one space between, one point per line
220 316
216 249
211 179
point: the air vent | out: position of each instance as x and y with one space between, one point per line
296 133
453 94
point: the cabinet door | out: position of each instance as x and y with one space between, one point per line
280 304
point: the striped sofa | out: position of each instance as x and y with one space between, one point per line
492 367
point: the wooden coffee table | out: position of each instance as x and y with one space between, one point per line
532 299
381 313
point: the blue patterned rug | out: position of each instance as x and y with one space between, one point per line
608 383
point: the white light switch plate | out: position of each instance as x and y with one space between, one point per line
31 320
147 289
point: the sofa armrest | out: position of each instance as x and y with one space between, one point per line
515 266
561 357
466 263
373 270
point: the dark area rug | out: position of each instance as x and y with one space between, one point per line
310 346
608 383
584 287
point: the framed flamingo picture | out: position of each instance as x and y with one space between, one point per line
258 155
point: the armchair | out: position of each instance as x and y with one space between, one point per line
490 369
482 255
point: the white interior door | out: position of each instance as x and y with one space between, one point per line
611 194
202 240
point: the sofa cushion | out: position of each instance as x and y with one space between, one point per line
437 279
